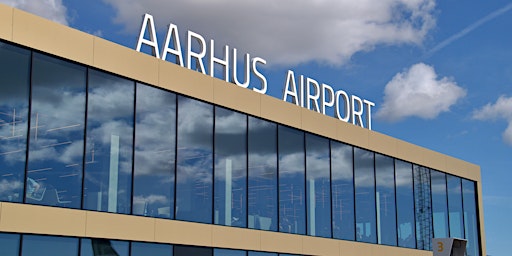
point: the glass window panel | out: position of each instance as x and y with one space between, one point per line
33 245
192 250
364 176
155 146
385 196
405 204
423 207
262 161
10 244
56 142
455 206
230 168
194 172
439 204
342 168
14 98
470 218
251 253
150 249
318 185
227 252
108 169
292 210
104 247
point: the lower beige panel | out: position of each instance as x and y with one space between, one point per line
42 220
280 242
118 226
320 246
236 238
179 232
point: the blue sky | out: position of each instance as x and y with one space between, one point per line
439 72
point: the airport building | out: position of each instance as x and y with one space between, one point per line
108 151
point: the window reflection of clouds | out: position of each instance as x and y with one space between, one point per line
57 131
14 90
155 137
109 143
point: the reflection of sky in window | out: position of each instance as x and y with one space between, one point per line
49 245
405 205
385 196
342 190
155 137
57 130
14 89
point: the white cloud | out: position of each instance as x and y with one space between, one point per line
501 109
289 31
50 9
418 92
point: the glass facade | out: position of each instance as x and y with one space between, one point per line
101 142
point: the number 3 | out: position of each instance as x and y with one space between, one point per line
440 246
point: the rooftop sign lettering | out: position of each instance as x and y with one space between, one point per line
302 91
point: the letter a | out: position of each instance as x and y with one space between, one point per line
152 34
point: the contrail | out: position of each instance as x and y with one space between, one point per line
468 29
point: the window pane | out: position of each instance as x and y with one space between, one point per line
14 94
226 252
262 145
230 168
386 208
194 161
423 207
153 184
455 206
405 205
343 220
471 218
108 160
364 175
49 245
56 146
150 249
251 253
439 204
10 244
318 184
292 215
103 247
192 251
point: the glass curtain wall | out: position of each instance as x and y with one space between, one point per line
109 144
155 153
194 173
439 204
14 102
342 172
423 207
230 168
385 200
318 186
406 227
364 177
470 217
292 210
455 213
262 164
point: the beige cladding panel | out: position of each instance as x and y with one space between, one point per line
352 134
382 143
125 61
319 124
280 242
6 13
118 226
235 97
320 246
351 249
236 238
185 81
281 112
42 220
179 232
47 36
